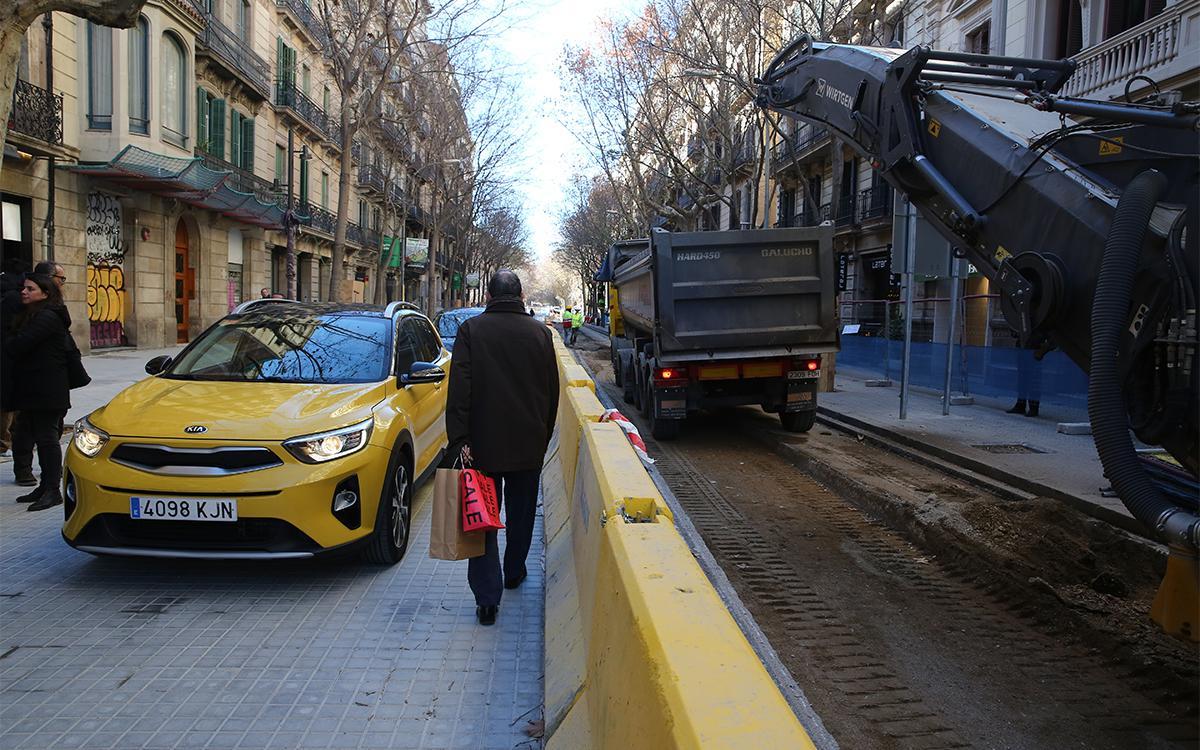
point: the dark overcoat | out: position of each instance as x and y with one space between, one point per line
503 396
37 351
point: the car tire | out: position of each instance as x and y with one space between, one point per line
393 520
797 421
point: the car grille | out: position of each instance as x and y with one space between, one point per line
220 461
243 535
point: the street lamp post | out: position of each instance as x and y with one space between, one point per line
290 219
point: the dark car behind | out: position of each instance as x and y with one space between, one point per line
448 321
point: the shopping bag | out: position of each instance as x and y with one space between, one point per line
480 504
447 540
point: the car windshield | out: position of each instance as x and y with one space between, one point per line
292 348
449 322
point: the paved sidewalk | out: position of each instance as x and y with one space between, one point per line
128 653
1068 464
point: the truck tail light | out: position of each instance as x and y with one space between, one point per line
813 364
670 376
810 364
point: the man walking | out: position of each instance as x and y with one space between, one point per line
501 407
576 324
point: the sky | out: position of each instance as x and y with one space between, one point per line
535 44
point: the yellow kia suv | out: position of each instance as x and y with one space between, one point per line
285 430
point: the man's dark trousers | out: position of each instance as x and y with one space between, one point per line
519 491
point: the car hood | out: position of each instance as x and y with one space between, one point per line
161 408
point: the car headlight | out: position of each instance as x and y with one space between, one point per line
88 439
326 446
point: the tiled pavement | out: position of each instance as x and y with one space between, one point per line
125 653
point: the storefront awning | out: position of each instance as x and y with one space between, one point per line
186 180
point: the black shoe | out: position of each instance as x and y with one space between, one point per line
1018 408
512 583
486 615
49 499
25 480
1033 409
32 495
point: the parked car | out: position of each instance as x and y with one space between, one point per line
287 429
448 321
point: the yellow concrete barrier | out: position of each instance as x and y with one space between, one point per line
640 650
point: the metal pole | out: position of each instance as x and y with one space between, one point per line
954 264
48 225
910 258
289 219
403 253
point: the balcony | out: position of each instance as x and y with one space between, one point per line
1164 48
307 112
243 180
875 204
234 54
302 15
363 236
37 114
319 219
370 179
745 154
797 146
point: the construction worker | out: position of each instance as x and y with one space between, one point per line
576 324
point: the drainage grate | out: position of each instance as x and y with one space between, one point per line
1008 448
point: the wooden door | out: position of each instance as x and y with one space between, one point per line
184 285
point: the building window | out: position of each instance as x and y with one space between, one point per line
325 98
241 20
139 71
241 141
325 190
362 214
305 79
174 97
979 40
285 73
100 82
303 182
210 123
280 163
894 32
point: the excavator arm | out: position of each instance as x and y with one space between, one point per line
1083 214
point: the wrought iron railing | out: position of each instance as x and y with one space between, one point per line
36 113
287 95
305 16
875 203
236 54
797 145
745 151
845 211
243 180
370 177
318 219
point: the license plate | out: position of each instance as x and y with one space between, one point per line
182 509
804 374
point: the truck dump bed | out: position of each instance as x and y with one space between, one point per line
725 295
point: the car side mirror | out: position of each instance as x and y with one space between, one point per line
158 364
422 372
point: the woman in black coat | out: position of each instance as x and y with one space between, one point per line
37 346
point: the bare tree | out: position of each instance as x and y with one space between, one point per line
17 15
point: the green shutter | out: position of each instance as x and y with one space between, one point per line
235 137
201 118
303 182
247 144
216 128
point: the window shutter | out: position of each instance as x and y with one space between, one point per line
235 137
248 144
201 118
216 128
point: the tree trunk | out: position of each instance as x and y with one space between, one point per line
15 18
337 271
432 296
381 267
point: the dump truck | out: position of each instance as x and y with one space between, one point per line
711 319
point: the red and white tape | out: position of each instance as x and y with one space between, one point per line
631 433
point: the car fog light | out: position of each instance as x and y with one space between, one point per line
343 500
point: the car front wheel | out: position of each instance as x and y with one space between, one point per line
389 540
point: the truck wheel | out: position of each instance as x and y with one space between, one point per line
797 421
615 357
628 384
665 429
646 407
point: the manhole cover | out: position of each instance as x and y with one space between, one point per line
1008 448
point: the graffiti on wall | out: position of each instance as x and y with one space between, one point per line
105 271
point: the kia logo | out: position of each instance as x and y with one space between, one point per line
195 429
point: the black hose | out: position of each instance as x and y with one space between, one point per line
1106 405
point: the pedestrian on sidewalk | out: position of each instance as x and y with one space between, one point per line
11 282
576 324
501 407
41 393
1029 384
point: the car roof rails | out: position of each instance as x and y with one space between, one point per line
394 306
250 304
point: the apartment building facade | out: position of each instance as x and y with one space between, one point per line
167 149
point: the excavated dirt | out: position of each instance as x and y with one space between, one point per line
918 610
